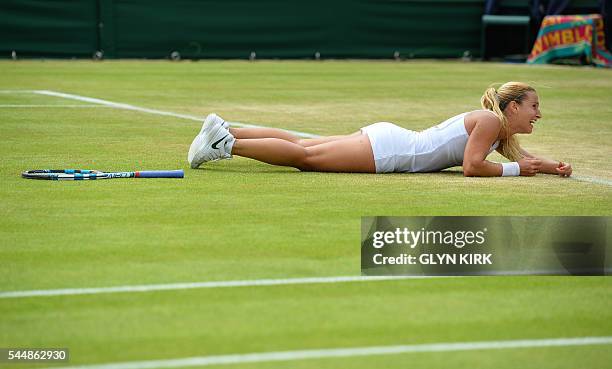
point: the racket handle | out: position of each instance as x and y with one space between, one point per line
160 174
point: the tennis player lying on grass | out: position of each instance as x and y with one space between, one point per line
466 139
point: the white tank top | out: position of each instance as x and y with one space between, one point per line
442 146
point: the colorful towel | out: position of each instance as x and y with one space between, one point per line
565 36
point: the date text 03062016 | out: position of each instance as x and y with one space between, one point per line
13 355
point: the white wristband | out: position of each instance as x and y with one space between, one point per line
511 169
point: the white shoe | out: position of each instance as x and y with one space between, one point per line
214 142
225 123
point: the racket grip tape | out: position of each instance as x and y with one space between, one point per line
160 174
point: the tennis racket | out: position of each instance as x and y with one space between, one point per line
81 174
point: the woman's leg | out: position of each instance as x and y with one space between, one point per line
349 154
306 142
253 133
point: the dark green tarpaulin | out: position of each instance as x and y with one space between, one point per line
54 28
235 28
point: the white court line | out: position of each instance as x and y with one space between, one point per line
52 106
602 181
17 91
193 285
346 352
151 111
259 283
595 180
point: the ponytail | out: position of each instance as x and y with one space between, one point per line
496 101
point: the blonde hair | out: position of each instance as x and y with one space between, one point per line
496 100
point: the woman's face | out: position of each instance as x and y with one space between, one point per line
525 114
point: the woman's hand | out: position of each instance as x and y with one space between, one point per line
530 166
564 169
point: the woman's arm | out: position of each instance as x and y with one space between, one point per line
484 134
550 166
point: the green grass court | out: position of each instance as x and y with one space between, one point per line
244 220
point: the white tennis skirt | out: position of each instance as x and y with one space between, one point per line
393 146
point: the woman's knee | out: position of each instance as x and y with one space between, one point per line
308 162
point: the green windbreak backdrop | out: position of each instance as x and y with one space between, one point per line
52 28
235 28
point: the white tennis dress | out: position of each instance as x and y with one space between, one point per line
397 149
